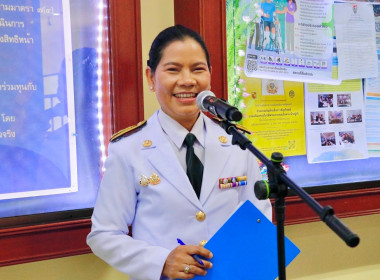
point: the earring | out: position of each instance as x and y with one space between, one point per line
151 88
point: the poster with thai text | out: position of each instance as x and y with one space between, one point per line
292 41
274 112
355 40
372 116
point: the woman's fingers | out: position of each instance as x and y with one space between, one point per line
181 264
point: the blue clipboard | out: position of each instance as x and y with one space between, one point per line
245 247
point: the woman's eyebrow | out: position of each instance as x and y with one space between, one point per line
179 64
172 63
200 63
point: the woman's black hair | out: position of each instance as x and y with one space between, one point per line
169 35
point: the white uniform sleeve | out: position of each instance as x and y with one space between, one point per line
113 212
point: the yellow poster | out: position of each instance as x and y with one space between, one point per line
274 112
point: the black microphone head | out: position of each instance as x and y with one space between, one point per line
201 96
234 115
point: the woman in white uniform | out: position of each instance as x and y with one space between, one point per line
146 187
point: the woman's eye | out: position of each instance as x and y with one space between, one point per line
198 69
172 69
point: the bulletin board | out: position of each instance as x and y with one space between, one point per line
338 184
289 75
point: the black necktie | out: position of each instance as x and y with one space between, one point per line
194 165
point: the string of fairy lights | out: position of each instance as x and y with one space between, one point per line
101 13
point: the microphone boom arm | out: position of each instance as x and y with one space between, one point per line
277 188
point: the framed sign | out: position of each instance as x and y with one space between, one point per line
37 134
81 91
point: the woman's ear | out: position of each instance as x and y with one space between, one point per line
149 77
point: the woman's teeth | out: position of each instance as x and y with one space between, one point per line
185 95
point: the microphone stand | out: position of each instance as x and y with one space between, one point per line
277 187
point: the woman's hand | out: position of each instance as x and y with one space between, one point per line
181 265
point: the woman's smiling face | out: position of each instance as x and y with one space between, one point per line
180 76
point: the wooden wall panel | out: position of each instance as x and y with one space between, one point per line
41 242
209 19
126 63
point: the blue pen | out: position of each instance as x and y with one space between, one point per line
194 256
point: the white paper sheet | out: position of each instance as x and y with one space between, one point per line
335 126
355 40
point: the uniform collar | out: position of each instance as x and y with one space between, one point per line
177 132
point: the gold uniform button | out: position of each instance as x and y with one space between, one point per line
200 216
223 139
147 143
203 243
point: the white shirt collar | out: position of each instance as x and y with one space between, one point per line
177 132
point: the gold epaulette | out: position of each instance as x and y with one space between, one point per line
238 126
127 131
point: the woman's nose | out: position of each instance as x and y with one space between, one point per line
187 79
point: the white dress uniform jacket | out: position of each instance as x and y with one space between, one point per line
161 213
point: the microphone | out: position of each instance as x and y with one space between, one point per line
208 102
